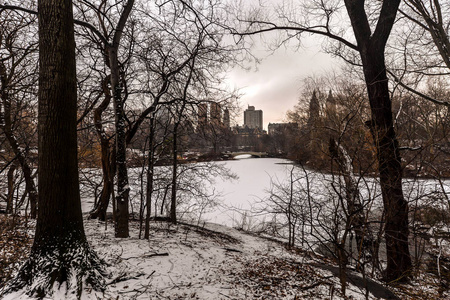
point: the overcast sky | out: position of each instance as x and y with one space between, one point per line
273 85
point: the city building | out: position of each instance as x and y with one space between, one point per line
202 115
215 114
253 118
281 128
330 105
247 139
226 118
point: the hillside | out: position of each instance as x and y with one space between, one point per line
207 262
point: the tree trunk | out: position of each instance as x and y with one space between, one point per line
11 185
20 153
107 157
356 220
173 198
123 189
371 47
150 174
383 133
60 252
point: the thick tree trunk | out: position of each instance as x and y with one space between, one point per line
371 47
60 252
382 129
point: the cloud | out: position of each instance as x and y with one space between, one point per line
273 86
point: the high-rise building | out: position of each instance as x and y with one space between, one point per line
215 114
202 115
226 118
253 118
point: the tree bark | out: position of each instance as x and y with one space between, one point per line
60 250
396 208
123 189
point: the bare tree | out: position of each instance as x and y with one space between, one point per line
372 25
422 47
110 41
183 54
17 76
431 16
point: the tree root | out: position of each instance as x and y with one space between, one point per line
44 274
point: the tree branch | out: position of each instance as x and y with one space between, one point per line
121 25
410 89
299 29
385 22
77 22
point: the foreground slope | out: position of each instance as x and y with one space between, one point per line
213 262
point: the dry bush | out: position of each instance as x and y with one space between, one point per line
15 244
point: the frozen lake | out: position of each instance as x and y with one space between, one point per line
240 196
239 201
234 197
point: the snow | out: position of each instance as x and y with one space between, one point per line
241 200
240 196
243 156
211 262
217 261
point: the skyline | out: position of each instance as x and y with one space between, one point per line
274 84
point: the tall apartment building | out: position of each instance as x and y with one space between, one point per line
253 118
202 115
226 118
215 114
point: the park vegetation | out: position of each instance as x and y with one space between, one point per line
93 91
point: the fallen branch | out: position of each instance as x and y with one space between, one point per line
124 277
147 256
232 250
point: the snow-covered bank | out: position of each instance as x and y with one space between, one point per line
211 262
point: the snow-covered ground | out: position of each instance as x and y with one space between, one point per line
210 262
216 261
